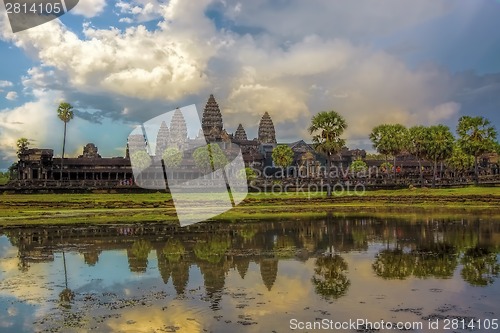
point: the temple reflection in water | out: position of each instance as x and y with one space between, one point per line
421 249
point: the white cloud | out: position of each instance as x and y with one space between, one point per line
313 60
5 84
89 8
11 96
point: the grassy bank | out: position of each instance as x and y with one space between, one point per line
155 207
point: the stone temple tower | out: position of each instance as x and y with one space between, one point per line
178 130
240 134
162 140
267 133
211 121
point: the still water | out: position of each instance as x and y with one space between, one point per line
254 277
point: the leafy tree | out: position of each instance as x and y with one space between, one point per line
140 160
65 113
327 127
416 145
23 145
283 156
476 137
439 146
210 157
249 173
330 280
359 166
172 157
389 139
459 161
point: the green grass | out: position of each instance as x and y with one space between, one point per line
20 209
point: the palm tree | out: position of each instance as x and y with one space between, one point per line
439 146
283 156
65 113
328 126
477 136
389 139
417 138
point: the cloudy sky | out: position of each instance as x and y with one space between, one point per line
121 63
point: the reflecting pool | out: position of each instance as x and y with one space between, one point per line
270 276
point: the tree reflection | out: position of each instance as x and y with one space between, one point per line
67 295
393 264
439 261
138 255
213 250
480 266
330 280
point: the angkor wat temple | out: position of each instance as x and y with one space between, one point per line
39 166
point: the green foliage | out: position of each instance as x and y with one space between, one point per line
327 127
359 166
249 173
480 266
141 248
210 157
65 112
212 250
417 141
393 264
174 250
476 135
283 156
386 166
330 280
22 144
140 160
172 157
440 142
389 139
460 161
4 178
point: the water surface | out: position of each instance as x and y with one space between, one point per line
252 277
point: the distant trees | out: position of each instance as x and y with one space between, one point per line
476 137
439 146
283 156
459 162
210 157
358 166
172 157
417 145
327 128
389 139
22 146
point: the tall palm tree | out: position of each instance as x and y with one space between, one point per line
389 139
417 137
327 127
477 136
65 113
439 146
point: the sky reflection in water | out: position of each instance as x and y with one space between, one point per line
248 277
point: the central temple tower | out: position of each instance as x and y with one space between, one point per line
211 121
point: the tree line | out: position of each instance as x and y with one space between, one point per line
435 144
